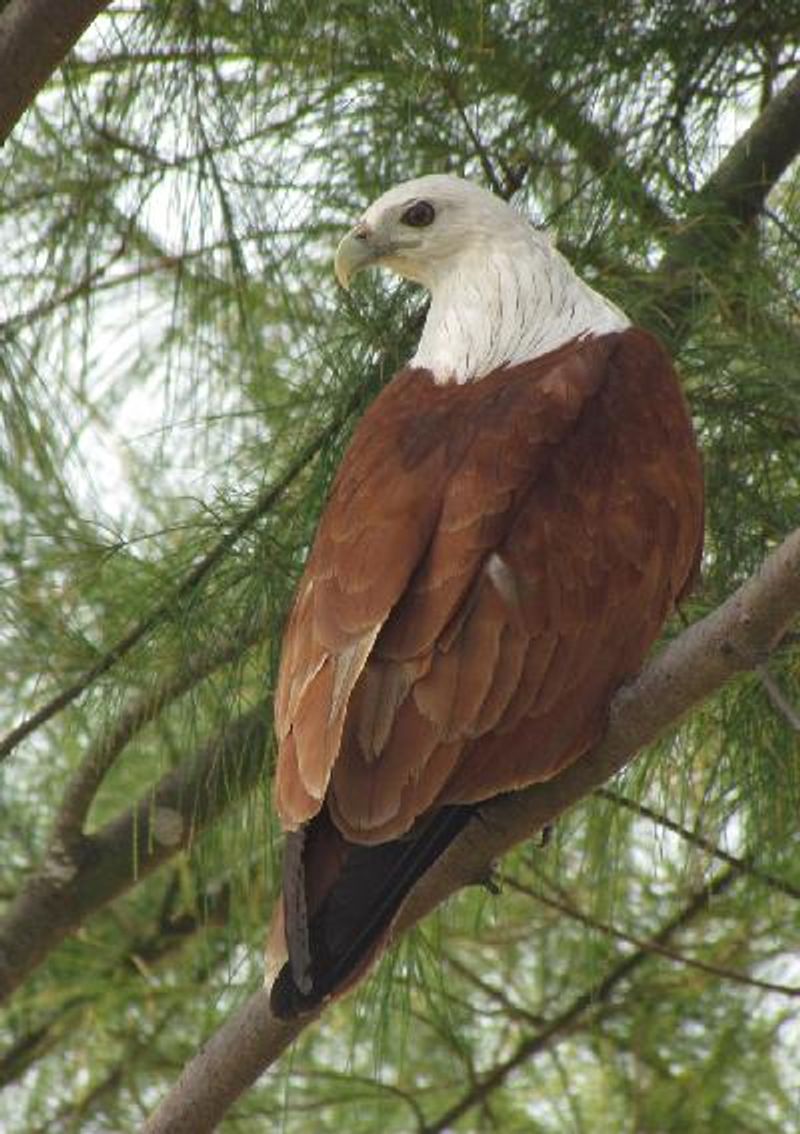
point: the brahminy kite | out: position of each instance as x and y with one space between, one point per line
517 513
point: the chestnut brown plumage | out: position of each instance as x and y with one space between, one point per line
495 559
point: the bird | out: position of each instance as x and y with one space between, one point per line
516 515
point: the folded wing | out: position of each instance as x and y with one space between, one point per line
494 560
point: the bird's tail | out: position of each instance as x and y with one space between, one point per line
340 899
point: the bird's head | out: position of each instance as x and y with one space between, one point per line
422 228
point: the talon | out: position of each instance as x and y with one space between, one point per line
491 880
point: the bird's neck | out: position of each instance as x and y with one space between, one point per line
505 305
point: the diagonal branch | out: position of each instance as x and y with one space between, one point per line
588 1003
35 36
570 910
744 178
84 783
733 639
718 214
64 891
745 865
166 609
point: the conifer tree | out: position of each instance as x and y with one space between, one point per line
178 378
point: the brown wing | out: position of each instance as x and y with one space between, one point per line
494 559
609 539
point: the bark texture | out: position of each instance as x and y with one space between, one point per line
35 37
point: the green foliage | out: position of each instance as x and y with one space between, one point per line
178 378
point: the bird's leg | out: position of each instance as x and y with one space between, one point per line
492 880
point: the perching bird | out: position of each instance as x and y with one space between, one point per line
516 515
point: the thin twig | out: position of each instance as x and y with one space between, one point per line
743 865
509 1008
589 1004
778 698
572 911
167 608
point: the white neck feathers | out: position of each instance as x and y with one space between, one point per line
505 302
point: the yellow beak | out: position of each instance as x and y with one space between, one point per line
357 251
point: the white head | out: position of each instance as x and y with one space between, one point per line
422 227
500 291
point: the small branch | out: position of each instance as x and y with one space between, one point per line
85 782
451 92
169 606
778 698
588 1005
572 911
743 865
87 284
507 1006
734 638
35 36
65 891
194 55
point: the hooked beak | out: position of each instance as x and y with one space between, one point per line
360 249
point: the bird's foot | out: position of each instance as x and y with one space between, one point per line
490 880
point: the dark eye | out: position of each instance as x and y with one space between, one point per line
419 215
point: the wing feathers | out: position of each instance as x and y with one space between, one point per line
494 560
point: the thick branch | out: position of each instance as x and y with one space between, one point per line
35 36
728 202
733 639
65 891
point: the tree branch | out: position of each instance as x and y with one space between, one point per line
733 639
66 890
591 1002
721 210
84 783
746 865
168 607
743 179
35 36
569 909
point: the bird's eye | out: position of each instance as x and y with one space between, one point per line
419 215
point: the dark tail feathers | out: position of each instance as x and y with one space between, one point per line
344 928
